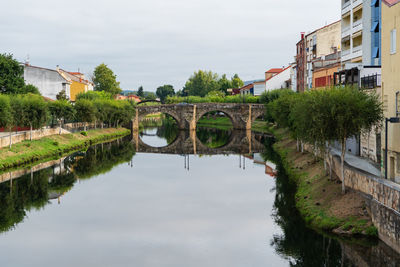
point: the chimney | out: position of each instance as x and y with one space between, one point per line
302 35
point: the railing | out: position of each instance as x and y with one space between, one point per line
357 23
371 81
357 48
346 28
345 52
346 4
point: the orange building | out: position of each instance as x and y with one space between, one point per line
324 70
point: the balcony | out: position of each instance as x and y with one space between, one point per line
357 48
346 31
371 81
357 2
346 7
357 25
346 52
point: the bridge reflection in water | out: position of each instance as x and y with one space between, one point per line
188 143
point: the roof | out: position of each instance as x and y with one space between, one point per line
276 70
246 87
326 26
391 2
282 70
70 76
263 81
36 67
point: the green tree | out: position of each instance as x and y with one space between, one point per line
202 82
353 111
164 91
224 84
61 110
5 114
11 75
104 79
237 82
140 92
62 95
85 111
150 96
35 112
94 95
30 89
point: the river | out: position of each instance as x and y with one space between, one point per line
119 205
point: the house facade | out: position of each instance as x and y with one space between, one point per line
49 82
320 43
78 83
301 64
324 69
391 83
280 80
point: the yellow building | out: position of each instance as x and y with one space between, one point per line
391 83
78 83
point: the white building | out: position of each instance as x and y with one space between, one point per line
259 87
280 80
49 82
352 31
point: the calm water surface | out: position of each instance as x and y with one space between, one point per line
112 206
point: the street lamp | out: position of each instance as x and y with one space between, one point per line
387 120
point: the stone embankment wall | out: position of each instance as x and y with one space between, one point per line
385 200
22 136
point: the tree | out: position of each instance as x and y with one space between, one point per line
140 92
93 95
104 79
61 110
224 84
30 89
237 82
164 91
85 111
35 112
62 95
5 114
353 111
11 75
150 96
202 82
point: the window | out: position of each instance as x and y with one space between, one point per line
393 41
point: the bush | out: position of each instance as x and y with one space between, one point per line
84 133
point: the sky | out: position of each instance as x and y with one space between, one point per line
157 42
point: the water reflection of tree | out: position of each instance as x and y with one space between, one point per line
31 191
212 137
297 243
168 130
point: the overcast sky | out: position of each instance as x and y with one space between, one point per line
156 42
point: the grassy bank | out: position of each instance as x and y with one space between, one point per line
29 152
319 200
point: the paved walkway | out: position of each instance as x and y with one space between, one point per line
358 163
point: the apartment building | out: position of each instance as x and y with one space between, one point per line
301 64
352 31
320 43
391 83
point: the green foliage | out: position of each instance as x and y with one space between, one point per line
104 79
85 111
84 133
93 95
203 82
150 96
11 75
164 91
35 111
5 112
30 89
140 92
61 109
62 95
212 99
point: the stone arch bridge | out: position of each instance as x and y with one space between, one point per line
187 143
187 115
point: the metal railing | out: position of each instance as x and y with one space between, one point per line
371 81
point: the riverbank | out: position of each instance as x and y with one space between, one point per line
28 152
319 199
